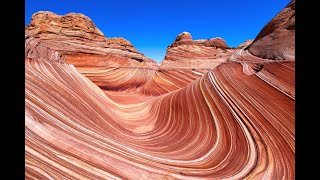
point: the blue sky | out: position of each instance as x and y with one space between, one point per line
153 25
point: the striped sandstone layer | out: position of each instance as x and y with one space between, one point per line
106 121
206 53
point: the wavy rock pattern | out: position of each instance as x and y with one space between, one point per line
222 125
114 121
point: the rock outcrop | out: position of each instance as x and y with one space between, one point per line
185 52
245 44
277 39
185 38
76 38
47 25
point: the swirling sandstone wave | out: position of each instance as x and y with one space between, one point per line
101 115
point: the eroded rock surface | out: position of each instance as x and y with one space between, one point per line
277 39
245 44
185 52
76 38
93 111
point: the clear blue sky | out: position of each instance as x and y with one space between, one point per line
153 25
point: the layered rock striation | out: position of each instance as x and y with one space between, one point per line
74 39
277 39
185 52
93 111
78 41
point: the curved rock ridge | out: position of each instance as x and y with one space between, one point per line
185 52
228 123
93 112
277 39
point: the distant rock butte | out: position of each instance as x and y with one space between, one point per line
245 44
78 41
277 39
48 25
185 52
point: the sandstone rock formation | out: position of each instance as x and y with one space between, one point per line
185 52
245 44
74 39
92 111
277 39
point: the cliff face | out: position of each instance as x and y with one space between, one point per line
74 37
47 25
185 52
277 39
